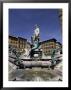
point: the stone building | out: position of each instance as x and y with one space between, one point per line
47 46
18 42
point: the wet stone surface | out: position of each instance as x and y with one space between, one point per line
34 74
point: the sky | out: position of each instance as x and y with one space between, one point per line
22 22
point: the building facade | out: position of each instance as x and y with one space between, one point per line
13 41
47 46
28 45
59 47
22 44
18 42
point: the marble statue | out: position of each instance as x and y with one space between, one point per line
35 41
35 38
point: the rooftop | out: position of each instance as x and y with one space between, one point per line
16 38
53 39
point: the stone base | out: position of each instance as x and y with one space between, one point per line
37 54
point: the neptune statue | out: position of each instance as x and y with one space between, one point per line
35 38
35 41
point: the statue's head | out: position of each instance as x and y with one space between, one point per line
36 31
36 25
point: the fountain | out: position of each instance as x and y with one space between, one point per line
34 56
35 52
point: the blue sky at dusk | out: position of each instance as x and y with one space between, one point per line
22 22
